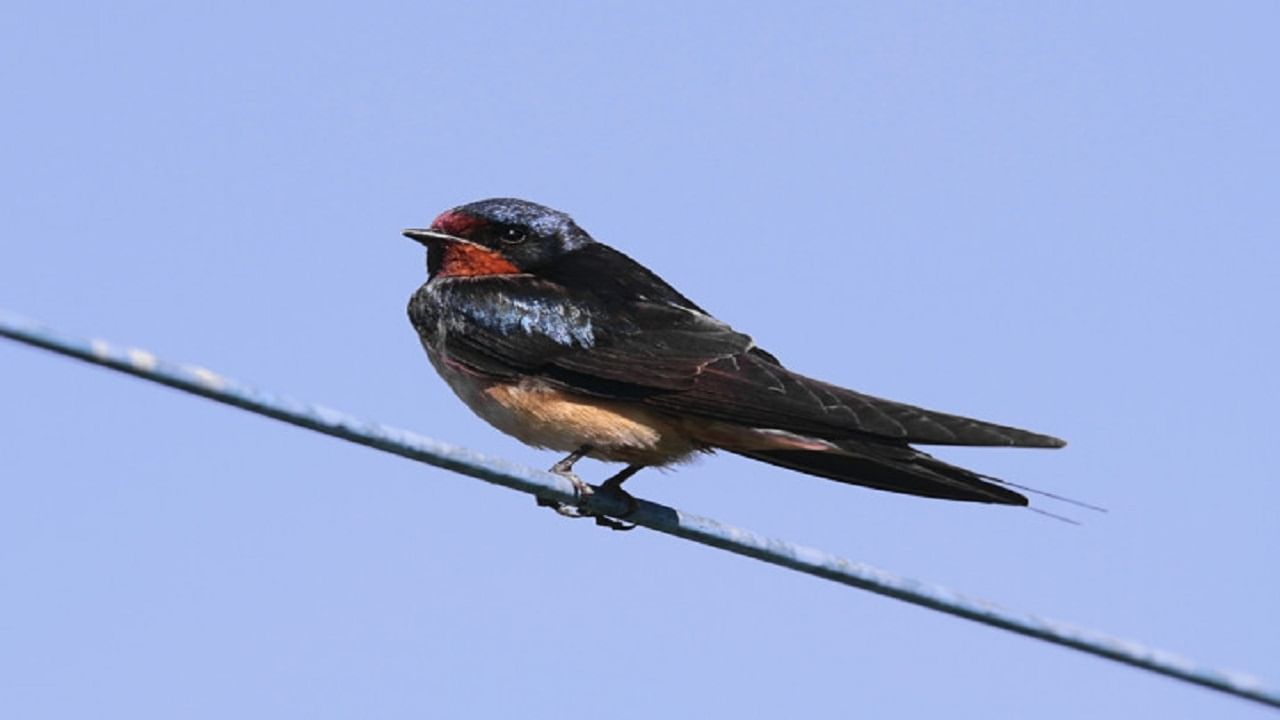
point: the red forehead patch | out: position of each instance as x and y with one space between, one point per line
467 260
457 224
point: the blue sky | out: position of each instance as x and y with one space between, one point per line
1063 218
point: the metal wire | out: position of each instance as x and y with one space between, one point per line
657 517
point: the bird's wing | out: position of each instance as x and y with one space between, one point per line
678 359
751 388
517 325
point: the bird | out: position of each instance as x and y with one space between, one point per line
567 344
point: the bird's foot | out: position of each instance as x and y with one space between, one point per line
582 491
614 490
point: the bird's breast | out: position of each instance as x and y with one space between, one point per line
501 306
523 405
543 416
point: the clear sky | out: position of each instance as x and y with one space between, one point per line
1061 218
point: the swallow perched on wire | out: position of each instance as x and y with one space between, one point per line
570 345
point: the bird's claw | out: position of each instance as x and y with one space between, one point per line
619 525
611 523
582 491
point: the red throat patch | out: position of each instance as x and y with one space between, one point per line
467 260
461 259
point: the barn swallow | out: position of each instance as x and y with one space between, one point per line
570 345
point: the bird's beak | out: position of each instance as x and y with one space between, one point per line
426 237
429 236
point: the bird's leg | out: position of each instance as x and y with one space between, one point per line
564 469
613 486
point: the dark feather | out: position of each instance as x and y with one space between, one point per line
896 469
609 276
597 322
754 390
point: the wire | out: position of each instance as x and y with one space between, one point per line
660 518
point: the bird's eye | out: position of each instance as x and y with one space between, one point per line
514 236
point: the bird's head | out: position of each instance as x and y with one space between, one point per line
496 237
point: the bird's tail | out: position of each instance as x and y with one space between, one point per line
895 468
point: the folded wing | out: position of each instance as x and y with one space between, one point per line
681 360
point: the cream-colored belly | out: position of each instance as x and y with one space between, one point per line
545 417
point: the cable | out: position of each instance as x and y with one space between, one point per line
660 518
